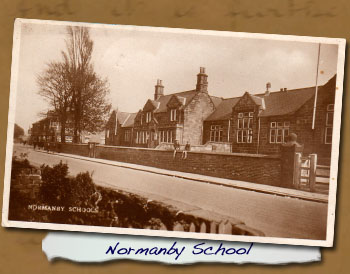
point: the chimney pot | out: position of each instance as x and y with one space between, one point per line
267 92
202 82
159 90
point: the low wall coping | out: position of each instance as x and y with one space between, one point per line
72 144
197 152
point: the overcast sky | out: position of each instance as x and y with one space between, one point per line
132 61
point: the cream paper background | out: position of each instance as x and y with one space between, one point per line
92 247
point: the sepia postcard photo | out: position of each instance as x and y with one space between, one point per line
173 132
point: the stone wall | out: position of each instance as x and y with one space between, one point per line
244 167
77 149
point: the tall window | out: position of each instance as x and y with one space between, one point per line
245 127
279 131
148 117
107 133
127 135
166 136
216 133
329 124
173 115
142 137
161 135
170 136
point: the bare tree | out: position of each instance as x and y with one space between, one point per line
55 87
73 88
89 92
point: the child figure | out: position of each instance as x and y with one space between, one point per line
187 148
176 147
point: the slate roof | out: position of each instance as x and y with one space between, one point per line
286 102
259 101
163 100
129 122
275 104
224 109
184 97
216 100
122 116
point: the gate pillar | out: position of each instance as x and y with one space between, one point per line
289 168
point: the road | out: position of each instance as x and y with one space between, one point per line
276 216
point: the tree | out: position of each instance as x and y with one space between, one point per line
55 87
18 132
72 87
89 91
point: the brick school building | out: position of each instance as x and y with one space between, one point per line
252 123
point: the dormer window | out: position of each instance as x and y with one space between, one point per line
173 114
148 117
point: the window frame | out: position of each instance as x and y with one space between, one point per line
245 122
173 114
216 133
148 116
127 135
279 131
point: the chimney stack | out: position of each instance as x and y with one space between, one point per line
268 86
202 81
159 90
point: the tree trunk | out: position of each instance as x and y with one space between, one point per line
63 130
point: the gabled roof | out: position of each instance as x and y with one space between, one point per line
151 103
216 100
163 100
122 116
223 110
184 97
259 101
181 99
129 121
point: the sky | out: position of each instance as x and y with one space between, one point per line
133 59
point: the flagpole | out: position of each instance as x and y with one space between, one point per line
316 88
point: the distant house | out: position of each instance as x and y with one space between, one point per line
48 129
